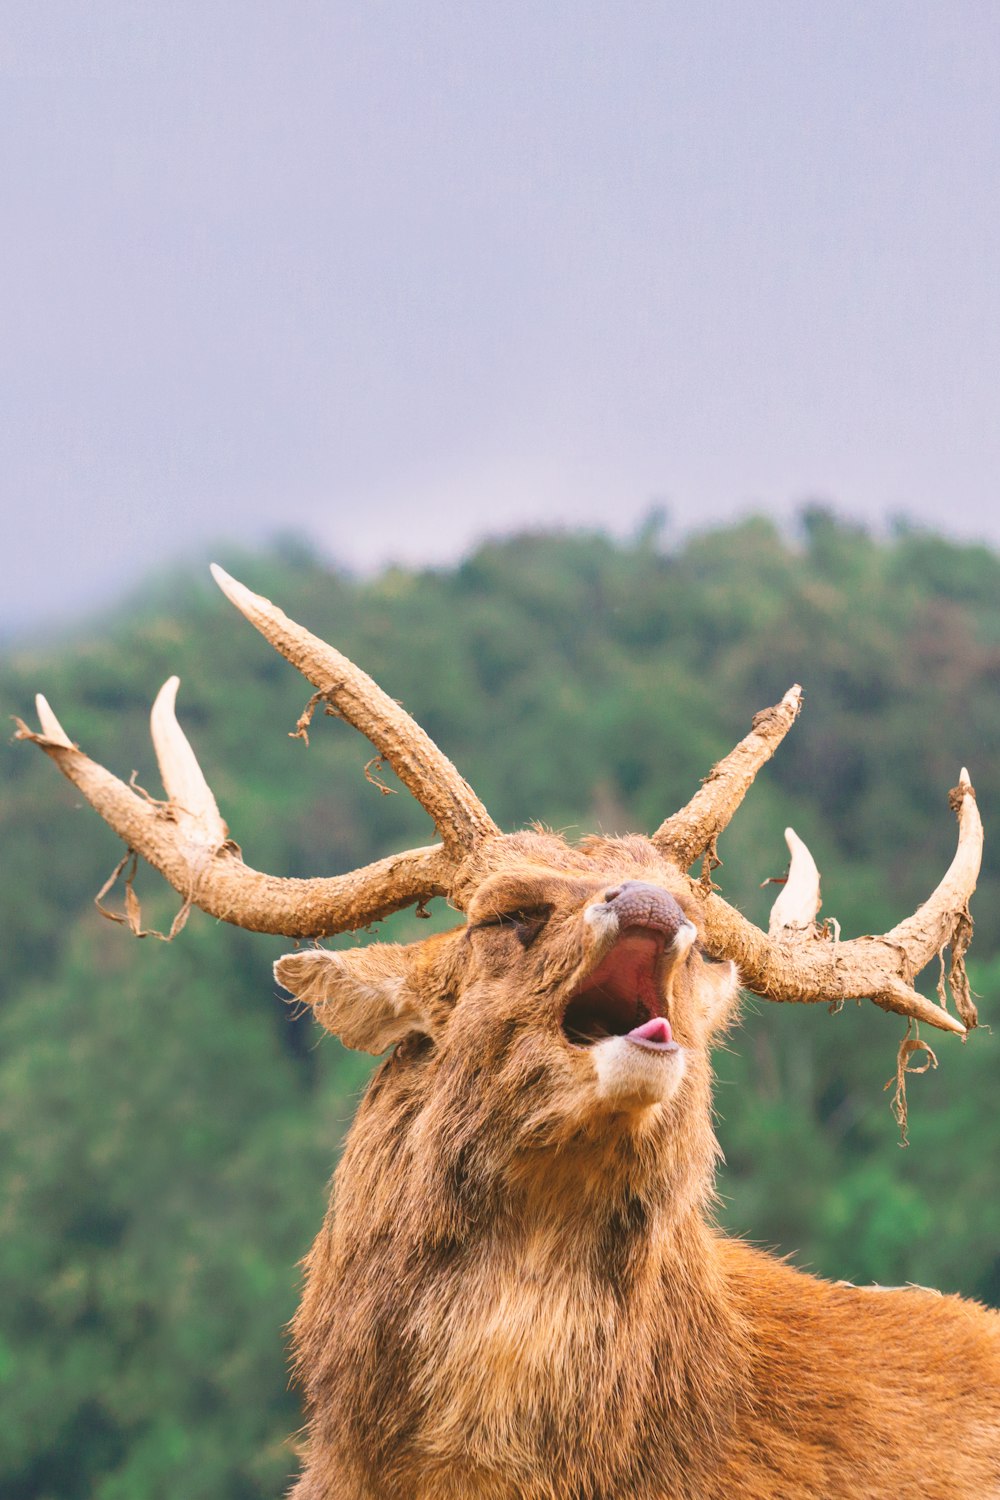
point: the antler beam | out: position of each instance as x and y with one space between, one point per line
798 963
187 841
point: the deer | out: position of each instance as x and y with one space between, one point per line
520 1291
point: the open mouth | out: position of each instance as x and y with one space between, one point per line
622 996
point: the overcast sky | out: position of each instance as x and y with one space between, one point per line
396 274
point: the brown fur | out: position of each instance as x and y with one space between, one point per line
519 1293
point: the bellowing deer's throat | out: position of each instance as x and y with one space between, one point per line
540 1367
623 994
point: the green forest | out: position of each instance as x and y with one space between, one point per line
168 1125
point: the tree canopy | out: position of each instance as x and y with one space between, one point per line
167 1126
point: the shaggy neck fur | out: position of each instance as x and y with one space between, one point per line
552 1325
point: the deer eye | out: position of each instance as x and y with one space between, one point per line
526 921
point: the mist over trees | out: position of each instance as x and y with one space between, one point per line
167 1125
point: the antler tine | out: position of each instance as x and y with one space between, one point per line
51 727
795 909
692 830
796 963
459 816
931 926
191 850
191 799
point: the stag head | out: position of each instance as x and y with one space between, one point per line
186 839
573 1001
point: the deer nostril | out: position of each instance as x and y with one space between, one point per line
622 889
638 903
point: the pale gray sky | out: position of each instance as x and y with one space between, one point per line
397 274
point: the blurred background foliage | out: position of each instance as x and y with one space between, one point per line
167 1126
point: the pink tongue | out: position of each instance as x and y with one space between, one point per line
656 1030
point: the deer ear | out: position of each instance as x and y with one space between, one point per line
719 993
362 995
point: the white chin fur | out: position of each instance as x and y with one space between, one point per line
601 920
630 1076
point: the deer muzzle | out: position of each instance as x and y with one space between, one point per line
640 932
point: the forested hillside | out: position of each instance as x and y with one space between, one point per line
167 1127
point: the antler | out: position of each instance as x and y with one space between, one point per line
186 839
460 817
688 833
796 960
794 911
